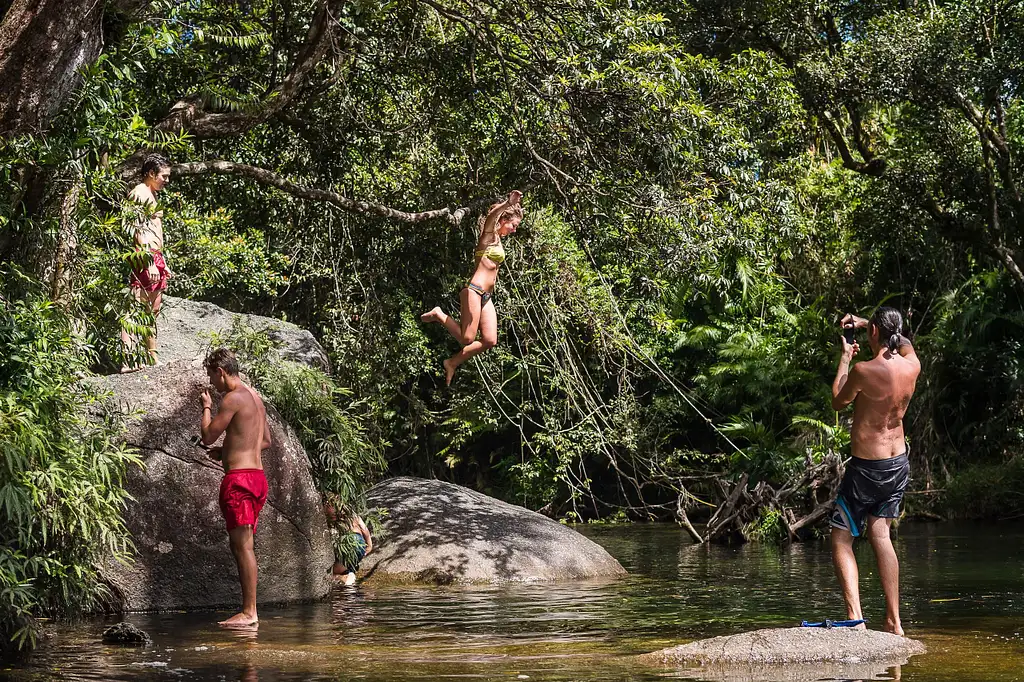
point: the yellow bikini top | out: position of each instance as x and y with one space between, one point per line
495 253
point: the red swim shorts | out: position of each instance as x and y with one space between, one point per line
142 280
243 492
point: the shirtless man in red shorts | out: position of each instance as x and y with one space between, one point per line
149 279
243 491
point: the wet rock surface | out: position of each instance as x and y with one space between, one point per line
125 633
790 654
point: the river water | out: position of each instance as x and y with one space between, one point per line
963 596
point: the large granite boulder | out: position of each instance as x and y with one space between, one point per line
184 327
183 558
790 655
441 533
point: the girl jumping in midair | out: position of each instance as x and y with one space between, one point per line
477 309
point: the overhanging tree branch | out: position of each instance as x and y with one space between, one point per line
188 114
874 167
359 207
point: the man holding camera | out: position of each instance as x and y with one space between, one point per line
877 475
243 491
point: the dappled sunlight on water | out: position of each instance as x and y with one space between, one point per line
963 596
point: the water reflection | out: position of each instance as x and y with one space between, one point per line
242 634
962 592
800 673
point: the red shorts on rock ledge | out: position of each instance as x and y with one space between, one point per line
243 492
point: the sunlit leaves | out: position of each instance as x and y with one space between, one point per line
60 487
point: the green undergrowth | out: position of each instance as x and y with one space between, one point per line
986 492
61 472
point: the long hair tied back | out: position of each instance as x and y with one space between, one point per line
889 323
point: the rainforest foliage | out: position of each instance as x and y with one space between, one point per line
709 185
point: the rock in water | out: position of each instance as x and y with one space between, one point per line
183 557
184 328
790 654
441 533
125 633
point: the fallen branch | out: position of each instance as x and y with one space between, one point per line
742 506
684 520
724 515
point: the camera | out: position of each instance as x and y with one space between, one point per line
848 333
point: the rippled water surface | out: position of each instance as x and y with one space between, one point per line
963 595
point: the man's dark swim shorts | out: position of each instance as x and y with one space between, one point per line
870 487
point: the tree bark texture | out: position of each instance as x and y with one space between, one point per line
43 46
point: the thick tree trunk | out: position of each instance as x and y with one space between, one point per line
43 46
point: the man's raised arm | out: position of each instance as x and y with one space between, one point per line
212 426
846 385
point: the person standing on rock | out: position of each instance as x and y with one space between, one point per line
242 419
877 475
148 278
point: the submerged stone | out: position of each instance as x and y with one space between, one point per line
440 533
790 654
125 633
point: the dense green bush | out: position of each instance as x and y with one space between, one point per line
990 491
61 496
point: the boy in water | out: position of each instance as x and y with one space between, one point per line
877 475
243 491
346 570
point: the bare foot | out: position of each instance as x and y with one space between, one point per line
125 369
432 315
895 627
240 620
449 371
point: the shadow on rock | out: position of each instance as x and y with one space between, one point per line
440 533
